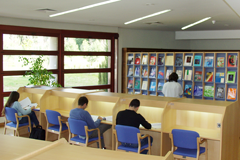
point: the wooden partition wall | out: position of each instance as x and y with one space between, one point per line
216 121
151 108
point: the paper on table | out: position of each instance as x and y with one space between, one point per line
107 118
154 125
94 117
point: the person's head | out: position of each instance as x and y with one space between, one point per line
83 102
173 77
135 103
14 96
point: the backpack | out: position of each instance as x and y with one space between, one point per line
37 133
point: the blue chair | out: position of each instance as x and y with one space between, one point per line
12 121
187 144
127 134
55 123
79 128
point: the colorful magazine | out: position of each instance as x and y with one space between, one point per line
152 60
160 86
137 84
220 61
161 74
198 90
232 93
161 60
197 60
231 76
137 71
152 86
232 61
208 61
188 89
152 73
208 91
209 77
219 77
178 61
198 76
220 92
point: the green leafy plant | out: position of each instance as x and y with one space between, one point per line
38 75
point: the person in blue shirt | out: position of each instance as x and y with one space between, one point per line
81 114
13 103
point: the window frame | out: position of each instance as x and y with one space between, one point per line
60 53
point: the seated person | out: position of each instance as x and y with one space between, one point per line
130 117
81 114
13 103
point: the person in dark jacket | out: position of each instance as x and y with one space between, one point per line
130 117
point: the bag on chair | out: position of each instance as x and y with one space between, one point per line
37 133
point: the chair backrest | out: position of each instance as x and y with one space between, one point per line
52 116
185 138
77 126
10 114
127 134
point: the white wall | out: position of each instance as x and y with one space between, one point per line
128 38
230 44
132 38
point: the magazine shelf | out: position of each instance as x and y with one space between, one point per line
202 75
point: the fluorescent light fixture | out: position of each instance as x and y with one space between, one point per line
193 24
148 16
83 8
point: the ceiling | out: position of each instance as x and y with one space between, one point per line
116 14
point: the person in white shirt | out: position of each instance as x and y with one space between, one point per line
172 88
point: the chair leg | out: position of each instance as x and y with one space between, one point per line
4 131
14 132
59 135
17 133
46 135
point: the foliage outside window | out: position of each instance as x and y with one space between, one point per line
38 75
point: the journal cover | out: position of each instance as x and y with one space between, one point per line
152 73
188 89
209 77
137 71
219 77
137 59
130 83
137 84
197 60
231 93
220 92
152 60
130 71
130 60
188 60
220 61
232 61
161 74
198 90
152 86
208 91
198 76
145 59
161 60
160 86
231 76
208 61
178 61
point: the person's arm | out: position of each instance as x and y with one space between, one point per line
180 90
144 123
91 124
19 108
164 89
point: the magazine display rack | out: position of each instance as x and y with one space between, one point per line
202 75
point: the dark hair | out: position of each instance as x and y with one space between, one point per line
82 100
14 96
135 103
173 77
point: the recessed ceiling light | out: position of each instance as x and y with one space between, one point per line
83 8
148 16
195 23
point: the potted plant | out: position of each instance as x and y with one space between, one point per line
37 74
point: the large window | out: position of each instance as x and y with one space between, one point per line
75 59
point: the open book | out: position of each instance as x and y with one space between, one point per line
26 103
107 118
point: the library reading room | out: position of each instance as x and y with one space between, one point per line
117 79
